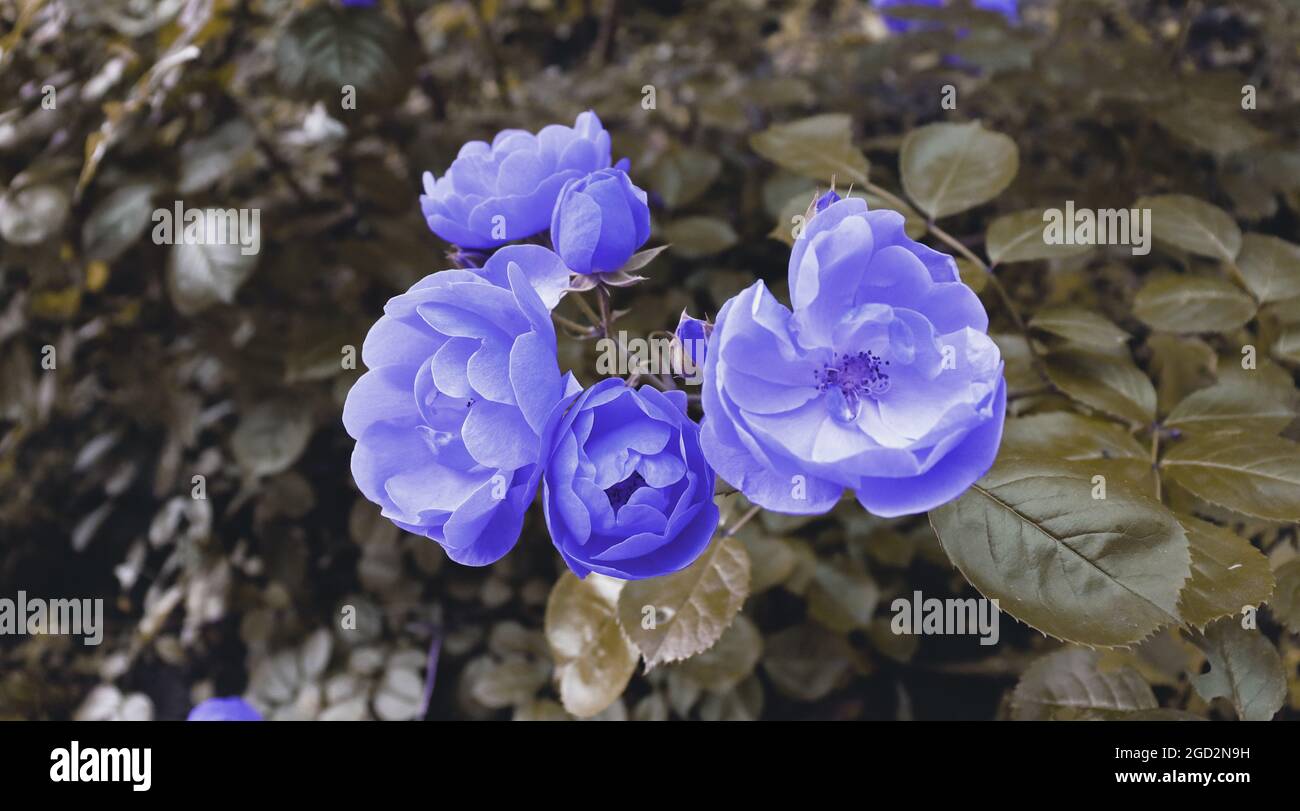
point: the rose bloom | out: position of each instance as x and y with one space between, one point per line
448 420
881 379
504 191
627 492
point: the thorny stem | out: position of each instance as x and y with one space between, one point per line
744 519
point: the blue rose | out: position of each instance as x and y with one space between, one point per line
690 342
505 191
881 380
462 378
599 221
232 708
627 492
1007 8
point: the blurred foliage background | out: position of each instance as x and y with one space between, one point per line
175 362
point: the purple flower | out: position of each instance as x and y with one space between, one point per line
599 221
627 490
882 379
1007 8
232 708
498 193
462 378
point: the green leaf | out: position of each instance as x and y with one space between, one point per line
1270 266
1287 346
730 661
1192 304
1250 474
689 609
807 661
207 160
1244 668
593 657
1228 574
1193 225
271 437
693 237
842 596
1096 571
1109 383
1092 445
1018 237
33 214
1238 405
1285 605
326 47
949 168
820 147
117 222
682 174
199 276
1211 126
1070 681
1080 326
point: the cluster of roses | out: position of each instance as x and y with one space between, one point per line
881 379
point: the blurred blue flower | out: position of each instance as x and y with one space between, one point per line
1007 8
504 191
232 708
627 491
881 380
599 221
462 379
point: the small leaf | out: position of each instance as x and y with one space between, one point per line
1228 574
1097 445
593 657
1192 304
33 214
640 259
206 160
807 661
1217 128
1287 346
271 437
1080 326
693 237
682 174
820 147
1018 237
842 597
199 275
1099 571
1193 225
1105 382
117 222
1072 680
949 168
1253 475
730 661
325 48
1285 605
1244 668
1270 266
1237 405
691 608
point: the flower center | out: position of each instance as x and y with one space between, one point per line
848 379
619 494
